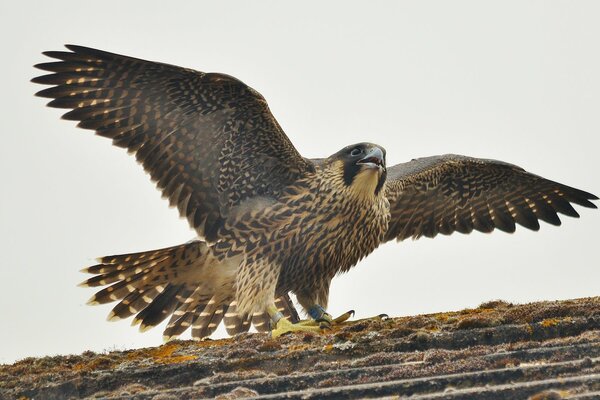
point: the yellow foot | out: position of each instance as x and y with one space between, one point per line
284 326
326 321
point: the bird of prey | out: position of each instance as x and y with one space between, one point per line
269 222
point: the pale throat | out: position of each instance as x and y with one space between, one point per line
364 184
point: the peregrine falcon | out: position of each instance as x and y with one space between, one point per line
269 222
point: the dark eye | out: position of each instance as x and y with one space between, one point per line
356 151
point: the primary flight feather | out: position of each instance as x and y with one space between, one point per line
269 222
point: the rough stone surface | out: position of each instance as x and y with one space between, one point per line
545 350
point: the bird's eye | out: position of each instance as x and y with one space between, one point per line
355 151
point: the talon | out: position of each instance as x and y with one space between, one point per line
344 317
324 324
325 317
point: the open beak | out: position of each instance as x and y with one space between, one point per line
373 159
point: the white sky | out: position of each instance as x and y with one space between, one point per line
511 80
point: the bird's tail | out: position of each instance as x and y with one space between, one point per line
183 281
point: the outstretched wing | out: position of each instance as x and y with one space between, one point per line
444 194
206 139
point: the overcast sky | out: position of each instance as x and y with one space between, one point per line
515 81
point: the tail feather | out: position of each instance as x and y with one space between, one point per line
262 322
106 278
177 327
187 303
119 290
207 321
215 320
137 271
285 305
103 268
102 280
191 305
132 304
139 279
185 282
234 323
203 318
162 306
181 320
247 323
192 249
126 262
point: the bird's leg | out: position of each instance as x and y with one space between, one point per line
323 319
283 326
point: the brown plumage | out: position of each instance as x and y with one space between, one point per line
444 194
269 222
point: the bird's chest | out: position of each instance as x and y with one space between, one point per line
332 238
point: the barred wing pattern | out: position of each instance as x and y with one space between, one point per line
206 139
453 193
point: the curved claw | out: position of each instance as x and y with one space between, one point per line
325 317
325 325
344 317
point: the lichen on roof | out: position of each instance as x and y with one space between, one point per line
499 350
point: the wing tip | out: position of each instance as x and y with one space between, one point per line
55 54
113 317
49 53
96 54
588 204
76 48
579 197
43 66
42 79
92 301
535 227
588 196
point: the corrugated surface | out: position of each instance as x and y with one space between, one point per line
547 350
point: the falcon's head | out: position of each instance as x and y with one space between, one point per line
363 167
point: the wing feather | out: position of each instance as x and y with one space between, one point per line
205 138
451 193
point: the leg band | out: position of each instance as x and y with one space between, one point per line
274 313
277 317
316 312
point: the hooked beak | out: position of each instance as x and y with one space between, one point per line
373 159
